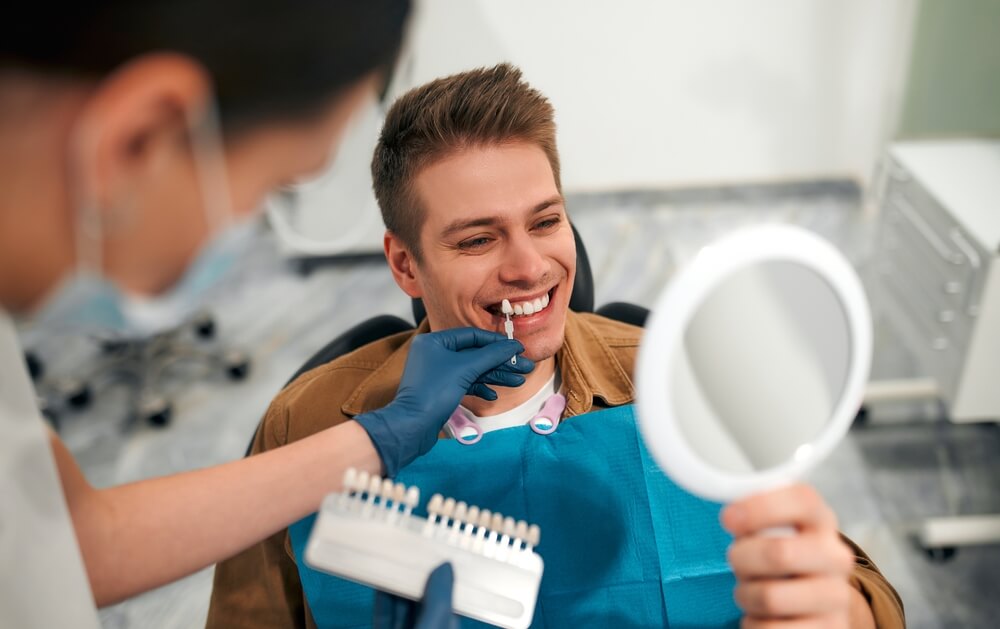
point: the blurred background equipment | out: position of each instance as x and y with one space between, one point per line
936 276
148 366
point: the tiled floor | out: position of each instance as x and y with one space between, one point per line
881 480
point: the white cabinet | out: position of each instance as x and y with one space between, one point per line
936 272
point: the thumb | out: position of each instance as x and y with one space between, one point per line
436 612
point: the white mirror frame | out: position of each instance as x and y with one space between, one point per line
664 335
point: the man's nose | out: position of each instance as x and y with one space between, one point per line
523 262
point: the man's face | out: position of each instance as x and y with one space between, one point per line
495 228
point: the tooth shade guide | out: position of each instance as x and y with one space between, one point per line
433 511
472 517
396 553
412 498
483 524
447 511
361 481
534 536
520 533
387 492
350 477
508 326
461 509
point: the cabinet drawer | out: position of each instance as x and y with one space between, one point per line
931 271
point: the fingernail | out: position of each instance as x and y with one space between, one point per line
733 517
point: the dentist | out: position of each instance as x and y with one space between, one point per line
136 137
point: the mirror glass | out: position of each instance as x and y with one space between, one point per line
762 365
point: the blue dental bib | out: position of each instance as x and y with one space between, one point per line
623 546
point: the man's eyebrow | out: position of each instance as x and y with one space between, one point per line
489 221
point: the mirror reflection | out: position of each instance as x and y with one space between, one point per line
764 362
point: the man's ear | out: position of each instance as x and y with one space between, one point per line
136 122
403 265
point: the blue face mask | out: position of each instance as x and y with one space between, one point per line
83 302
88 302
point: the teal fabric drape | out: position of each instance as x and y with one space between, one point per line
623 546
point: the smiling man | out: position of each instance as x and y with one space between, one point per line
498 230
467 177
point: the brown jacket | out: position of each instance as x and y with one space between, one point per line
260 587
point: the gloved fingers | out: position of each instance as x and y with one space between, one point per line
524 365
502 378
392 612
481 390
458 339
485 359
436 611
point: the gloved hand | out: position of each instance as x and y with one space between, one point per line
441 369
434 612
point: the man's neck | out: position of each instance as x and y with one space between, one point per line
512 397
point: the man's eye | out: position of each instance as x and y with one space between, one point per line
474 243
547 223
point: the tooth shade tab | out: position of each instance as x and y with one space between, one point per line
506 307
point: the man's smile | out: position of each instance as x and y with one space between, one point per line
531 310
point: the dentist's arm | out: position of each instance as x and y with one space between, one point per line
139 536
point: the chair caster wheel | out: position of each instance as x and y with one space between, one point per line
50 415
862 418
204 326
36 368
941 554
237 366
78 395
156 411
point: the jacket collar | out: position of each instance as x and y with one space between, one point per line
588 367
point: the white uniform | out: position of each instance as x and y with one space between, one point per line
42 579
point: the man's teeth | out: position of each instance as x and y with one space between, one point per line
531 307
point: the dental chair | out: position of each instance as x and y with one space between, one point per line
581 300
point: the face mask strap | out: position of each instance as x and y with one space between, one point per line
210 166
210 170
89 227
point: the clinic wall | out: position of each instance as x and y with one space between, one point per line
953 87
676 93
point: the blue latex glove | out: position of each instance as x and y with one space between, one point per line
441 369
434 612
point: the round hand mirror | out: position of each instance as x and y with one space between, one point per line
753 363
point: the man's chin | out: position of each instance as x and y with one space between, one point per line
539 351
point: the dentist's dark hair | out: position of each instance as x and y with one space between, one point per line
268 58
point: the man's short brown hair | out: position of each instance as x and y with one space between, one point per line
482 107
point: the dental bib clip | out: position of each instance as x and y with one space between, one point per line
547 420
468 432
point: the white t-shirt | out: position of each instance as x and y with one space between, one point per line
42 580
520 414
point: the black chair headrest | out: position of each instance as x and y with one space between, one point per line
582 299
